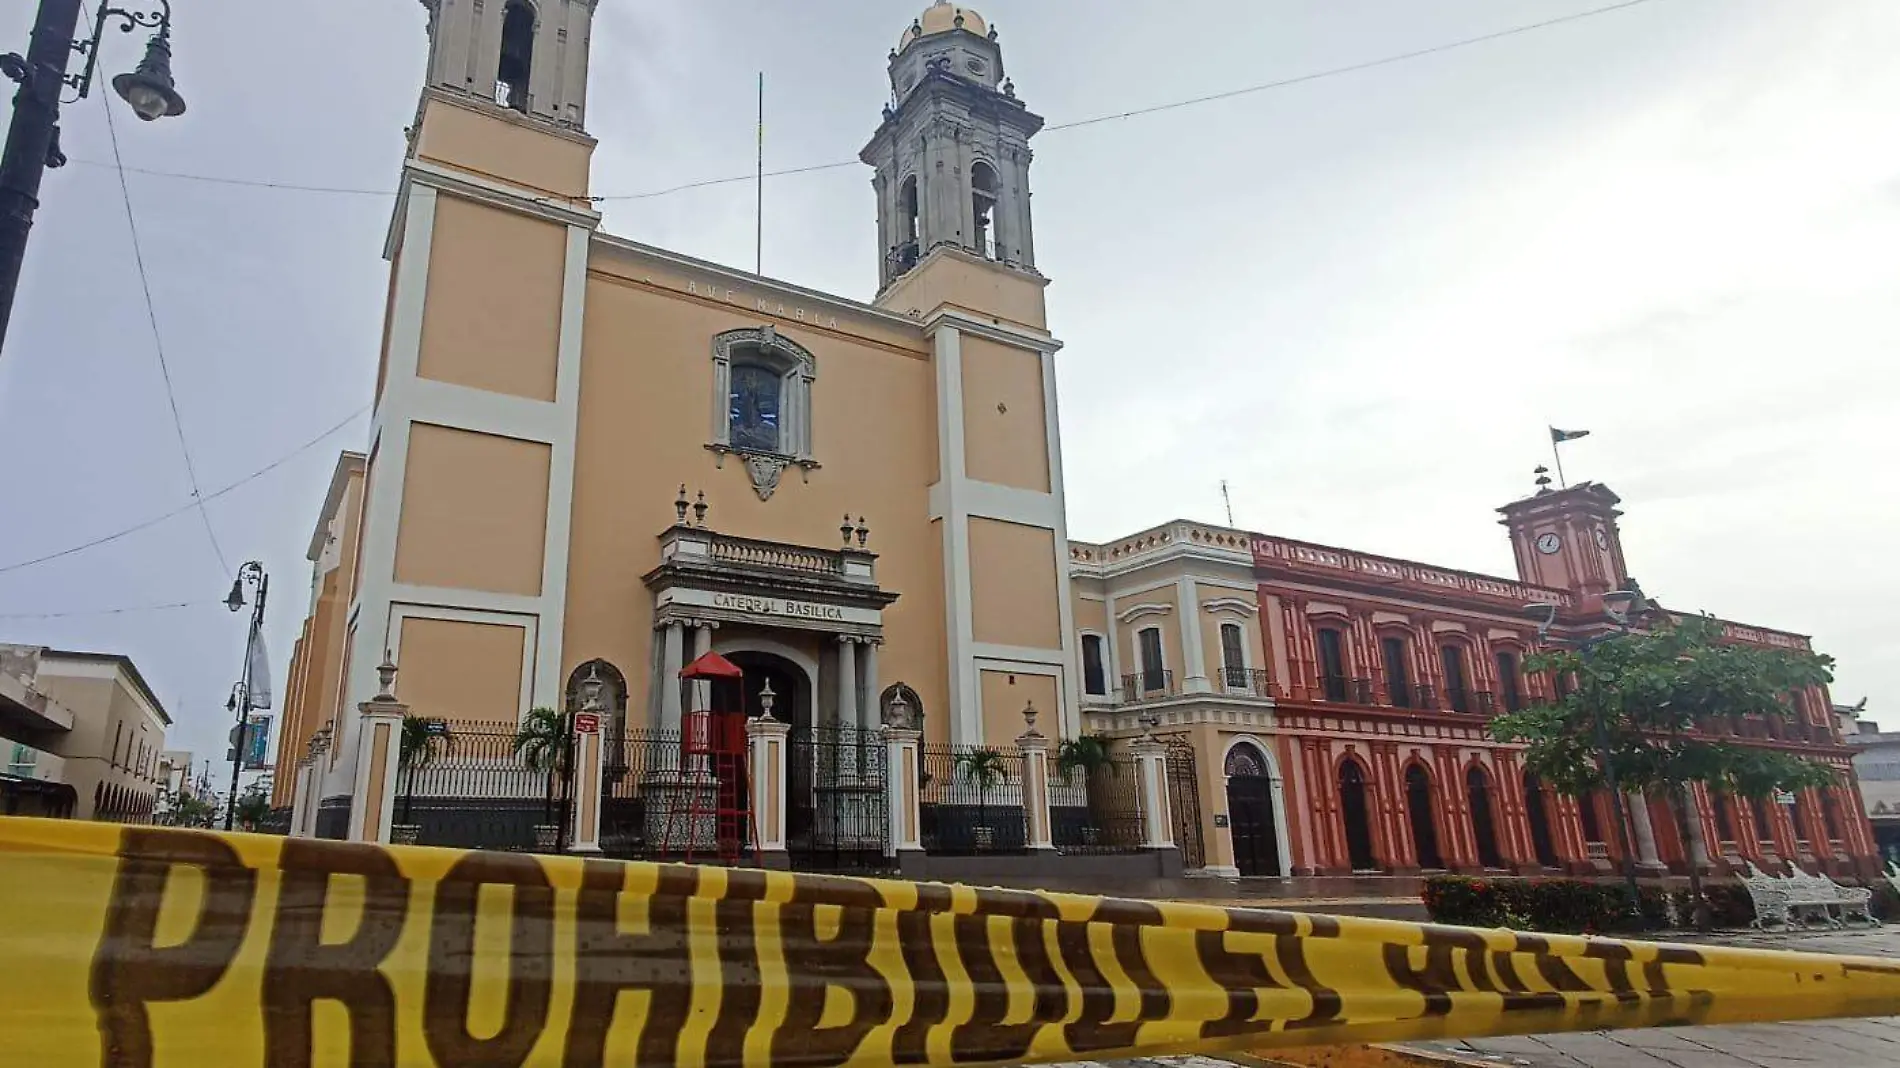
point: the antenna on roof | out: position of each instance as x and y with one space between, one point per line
1228 501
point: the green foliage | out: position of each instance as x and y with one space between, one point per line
253 808
985 767
1087 754
191 812
542 739
1572 906
1654 687
420 745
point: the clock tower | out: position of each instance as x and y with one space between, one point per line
1568 539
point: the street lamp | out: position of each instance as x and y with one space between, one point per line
1622 607
33 138
243 694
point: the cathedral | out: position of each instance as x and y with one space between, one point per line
656 557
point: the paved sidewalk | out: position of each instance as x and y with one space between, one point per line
1873 1043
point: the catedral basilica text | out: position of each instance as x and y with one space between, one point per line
650 557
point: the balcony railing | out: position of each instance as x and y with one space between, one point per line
1458 698
1425 696
1485 702
746 552
1147 686
1247 680
1333 687
1399 695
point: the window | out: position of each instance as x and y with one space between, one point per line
1398 680
905 255
1332 664
517 57
1453 660
118 735
983 211
1507 681
1764 827
1724 824
1093 678
1587 817
1831 816
1153 670
753 412
1233 655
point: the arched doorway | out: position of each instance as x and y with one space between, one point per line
1535 812
1418 806
1250 811
1353 811
1484 830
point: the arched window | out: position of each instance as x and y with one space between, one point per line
762 387
755 398
1398 671
1418 805
1332 662
906 253
1539 817
1483 830
1451 657
517 56
1587 817
985 239
1244 760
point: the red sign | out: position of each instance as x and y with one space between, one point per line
586 723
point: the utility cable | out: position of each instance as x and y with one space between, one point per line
1351 68
108 611
158 342
189 505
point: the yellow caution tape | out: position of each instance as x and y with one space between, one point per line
128 946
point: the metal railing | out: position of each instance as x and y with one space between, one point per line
1095 807
972 799
1247 680
1458 698
1425 696
1147 686
474 786
1346 690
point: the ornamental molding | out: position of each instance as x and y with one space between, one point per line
1145 610
1231 604
765 472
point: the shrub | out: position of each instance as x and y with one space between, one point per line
1573 906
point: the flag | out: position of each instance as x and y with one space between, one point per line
259 672
1560 436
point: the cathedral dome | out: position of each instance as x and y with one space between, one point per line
942 17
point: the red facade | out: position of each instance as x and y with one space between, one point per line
1386 674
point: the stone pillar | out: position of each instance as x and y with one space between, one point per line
847 707
766 738
1647 862
672 651
301 804
1697 846
378 752
867 706
1035 782
903 768
1157 812
585 814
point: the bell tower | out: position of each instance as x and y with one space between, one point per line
952 154
529 56
1568 539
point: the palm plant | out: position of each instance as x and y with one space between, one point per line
986 768
423 740
1090 755
545 743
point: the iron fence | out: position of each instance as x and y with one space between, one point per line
972 799
474 789
1096 807
1184 800
837 804
1147 685
668 795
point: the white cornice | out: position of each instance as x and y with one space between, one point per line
1145 610
1231 604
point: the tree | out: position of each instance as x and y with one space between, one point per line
1658 692
544 742
986 768
190 811
423 740
1088 754
252 809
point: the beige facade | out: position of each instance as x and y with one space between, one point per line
546 390
93 724
312 697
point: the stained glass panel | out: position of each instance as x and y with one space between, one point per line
754 412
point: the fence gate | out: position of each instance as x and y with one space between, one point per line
836 818
1184 798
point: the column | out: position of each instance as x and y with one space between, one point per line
868 711
1194 660
378 752
1035 785
1157 818
766 739
903 755
1646 860
1698 846
847 707
300 803
666 751
585 811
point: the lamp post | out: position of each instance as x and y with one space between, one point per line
33 137
1621 606
252 573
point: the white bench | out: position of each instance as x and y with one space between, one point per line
1893 875
1805 897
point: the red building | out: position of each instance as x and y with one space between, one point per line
1386 674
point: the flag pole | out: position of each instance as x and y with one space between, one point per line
758 236
1557 454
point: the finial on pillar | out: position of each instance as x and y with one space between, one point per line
699 510
766 700
863 532
1543 478
386 677
1149 721
1029 716
679 506
590 691
844 528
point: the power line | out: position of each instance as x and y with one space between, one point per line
108 611
189 505
158 343
1076 124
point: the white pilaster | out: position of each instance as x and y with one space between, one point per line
966 717
1194 671
868 711
847 707
1645 833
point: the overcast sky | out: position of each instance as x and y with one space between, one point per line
1358 299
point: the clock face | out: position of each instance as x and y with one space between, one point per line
1603 538
1549 542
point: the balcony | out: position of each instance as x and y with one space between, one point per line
1251 681
1425 696
1345 690
1485 702
1458 698
1147 686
